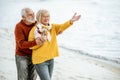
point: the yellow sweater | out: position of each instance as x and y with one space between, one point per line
48 50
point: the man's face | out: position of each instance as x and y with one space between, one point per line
29 17
45 18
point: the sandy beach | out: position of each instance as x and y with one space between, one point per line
69 65
73 66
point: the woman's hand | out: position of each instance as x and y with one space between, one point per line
75 18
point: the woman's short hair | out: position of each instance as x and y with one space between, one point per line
40 13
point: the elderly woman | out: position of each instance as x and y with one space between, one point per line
43 55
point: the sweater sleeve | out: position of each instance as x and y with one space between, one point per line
20 39
61 27
31 37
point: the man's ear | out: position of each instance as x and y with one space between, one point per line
23 17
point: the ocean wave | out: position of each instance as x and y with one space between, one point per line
116 60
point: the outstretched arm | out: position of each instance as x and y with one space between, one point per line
61 27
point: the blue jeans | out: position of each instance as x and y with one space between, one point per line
45 69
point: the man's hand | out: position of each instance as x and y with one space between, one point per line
40 41
75 18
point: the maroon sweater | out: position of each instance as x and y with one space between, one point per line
21 37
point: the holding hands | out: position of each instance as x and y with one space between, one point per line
40 40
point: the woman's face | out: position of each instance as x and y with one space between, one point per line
45 18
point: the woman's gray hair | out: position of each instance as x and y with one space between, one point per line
40 13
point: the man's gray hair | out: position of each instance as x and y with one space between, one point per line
23 12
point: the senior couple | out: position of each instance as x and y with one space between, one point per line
36 44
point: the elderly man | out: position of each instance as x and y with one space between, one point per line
25 68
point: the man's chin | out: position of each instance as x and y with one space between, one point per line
31 21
